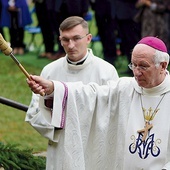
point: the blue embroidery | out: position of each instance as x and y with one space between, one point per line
146 148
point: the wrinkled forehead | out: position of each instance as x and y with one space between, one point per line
143 51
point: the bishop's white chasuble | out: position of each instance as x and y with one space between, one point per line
151 153
101 125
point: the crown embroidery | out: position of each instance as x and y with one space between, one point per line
150 114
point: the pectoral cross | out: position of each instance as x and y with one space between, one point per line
145 130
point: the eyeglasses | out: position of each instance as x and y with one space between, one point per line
74 39
133 67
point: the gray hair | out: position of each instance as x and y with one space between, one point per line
73 21
160 56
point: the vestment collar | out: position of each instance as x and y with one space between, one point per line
158 90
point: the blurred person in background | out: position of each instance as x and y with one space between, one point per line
112 16
57 11
154 17
48 34
15 15
79 64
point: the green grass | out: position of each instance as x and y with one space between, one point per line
13 128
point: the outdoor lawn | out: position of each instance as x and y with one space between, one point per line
13 128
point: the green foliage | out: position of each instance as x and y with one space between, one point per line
13 158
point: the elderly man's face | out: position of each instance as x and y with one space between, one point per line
75 42
145 71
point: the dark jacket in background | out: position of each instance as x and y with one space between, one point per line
116 16
24 17
74 7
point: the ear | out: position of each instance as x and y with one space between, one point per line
89 38
163 66
60 40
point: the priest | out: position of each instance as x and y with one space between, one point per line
79 64
123 125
